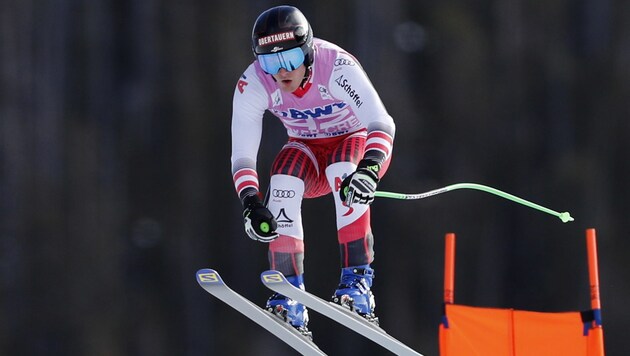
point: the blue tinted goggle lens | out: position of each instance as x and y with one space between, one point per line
289 60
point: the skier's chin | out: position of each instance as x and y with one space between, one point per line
288 85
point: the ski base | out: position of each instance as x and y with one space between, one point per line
211 281
277 282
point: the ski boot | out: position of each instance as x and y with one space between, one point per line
289 310
354 291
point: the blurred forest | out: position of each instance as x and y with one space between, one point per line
115 182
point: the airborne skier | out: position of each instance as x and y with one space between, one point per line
340 140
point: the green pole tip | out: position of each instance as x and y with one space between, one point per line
264 227
565 217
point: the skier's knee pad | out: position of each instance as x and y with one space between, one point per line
285 203
336 173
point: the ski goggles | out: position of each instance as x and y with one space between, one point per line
289 60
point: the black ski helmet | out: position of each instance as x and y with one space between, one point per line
281 28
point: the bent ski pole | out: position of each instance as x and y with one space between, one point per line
564 216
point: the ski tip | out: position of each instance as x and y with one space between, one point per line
208 276
272 276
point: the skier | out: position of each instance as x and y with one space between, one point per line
340 140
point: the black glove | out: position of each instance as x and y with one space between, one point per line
260 224
359 187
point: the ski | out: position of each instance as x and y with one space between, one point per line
276 281
211 281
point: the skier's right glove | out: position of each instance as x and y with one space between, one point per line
260 224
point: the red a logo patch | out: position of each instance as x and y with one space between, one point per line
338 182
241 85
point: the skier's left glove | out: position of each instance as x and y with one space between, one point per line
360 186
260 224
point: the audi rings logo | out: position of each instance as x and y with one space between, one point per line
281 193
343 62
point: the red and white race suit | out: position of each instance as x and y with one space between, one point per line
332 122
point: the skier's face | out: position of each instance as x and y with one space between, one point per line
290 81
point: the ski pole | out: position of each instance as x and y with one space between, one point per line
564 216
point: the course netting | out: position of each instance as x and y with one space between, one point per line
469 330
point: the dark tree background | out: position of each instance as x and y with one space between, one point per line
115 182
